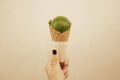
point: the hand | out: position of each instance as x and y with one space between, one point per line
55 69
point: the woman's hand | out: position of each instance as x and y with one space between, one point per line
55 69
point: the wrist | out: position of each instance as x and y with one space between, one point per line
56 78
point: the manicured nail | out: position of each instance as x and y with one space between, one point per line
62 65
54 52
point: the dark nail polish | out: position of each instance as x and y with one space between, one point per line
62 65
54 52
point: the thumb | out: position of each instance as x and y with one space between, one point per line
54 60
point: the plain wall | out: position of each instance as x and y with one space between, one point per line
93 47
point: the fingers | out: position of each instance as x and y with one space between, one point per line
65 71
55 63
66 62
65 68
66 76
54 59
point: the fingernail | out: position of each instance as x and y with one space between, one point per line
54 52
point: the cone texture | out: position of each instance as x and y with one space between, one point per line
60 37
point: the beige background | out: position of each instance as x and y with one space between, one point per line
94 44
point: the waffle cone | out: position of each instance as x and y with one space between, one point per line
59 37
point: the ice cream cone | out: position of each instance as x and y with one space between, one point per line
60 31
59 37
59 41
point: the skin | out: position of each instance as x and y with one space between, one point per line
54 70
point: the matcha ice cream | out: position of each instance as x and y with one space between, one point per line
60 23
60 28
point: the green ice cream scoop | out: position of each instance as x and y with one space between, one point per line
60 23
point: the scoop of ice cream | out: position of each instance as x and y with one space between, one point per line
60 23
